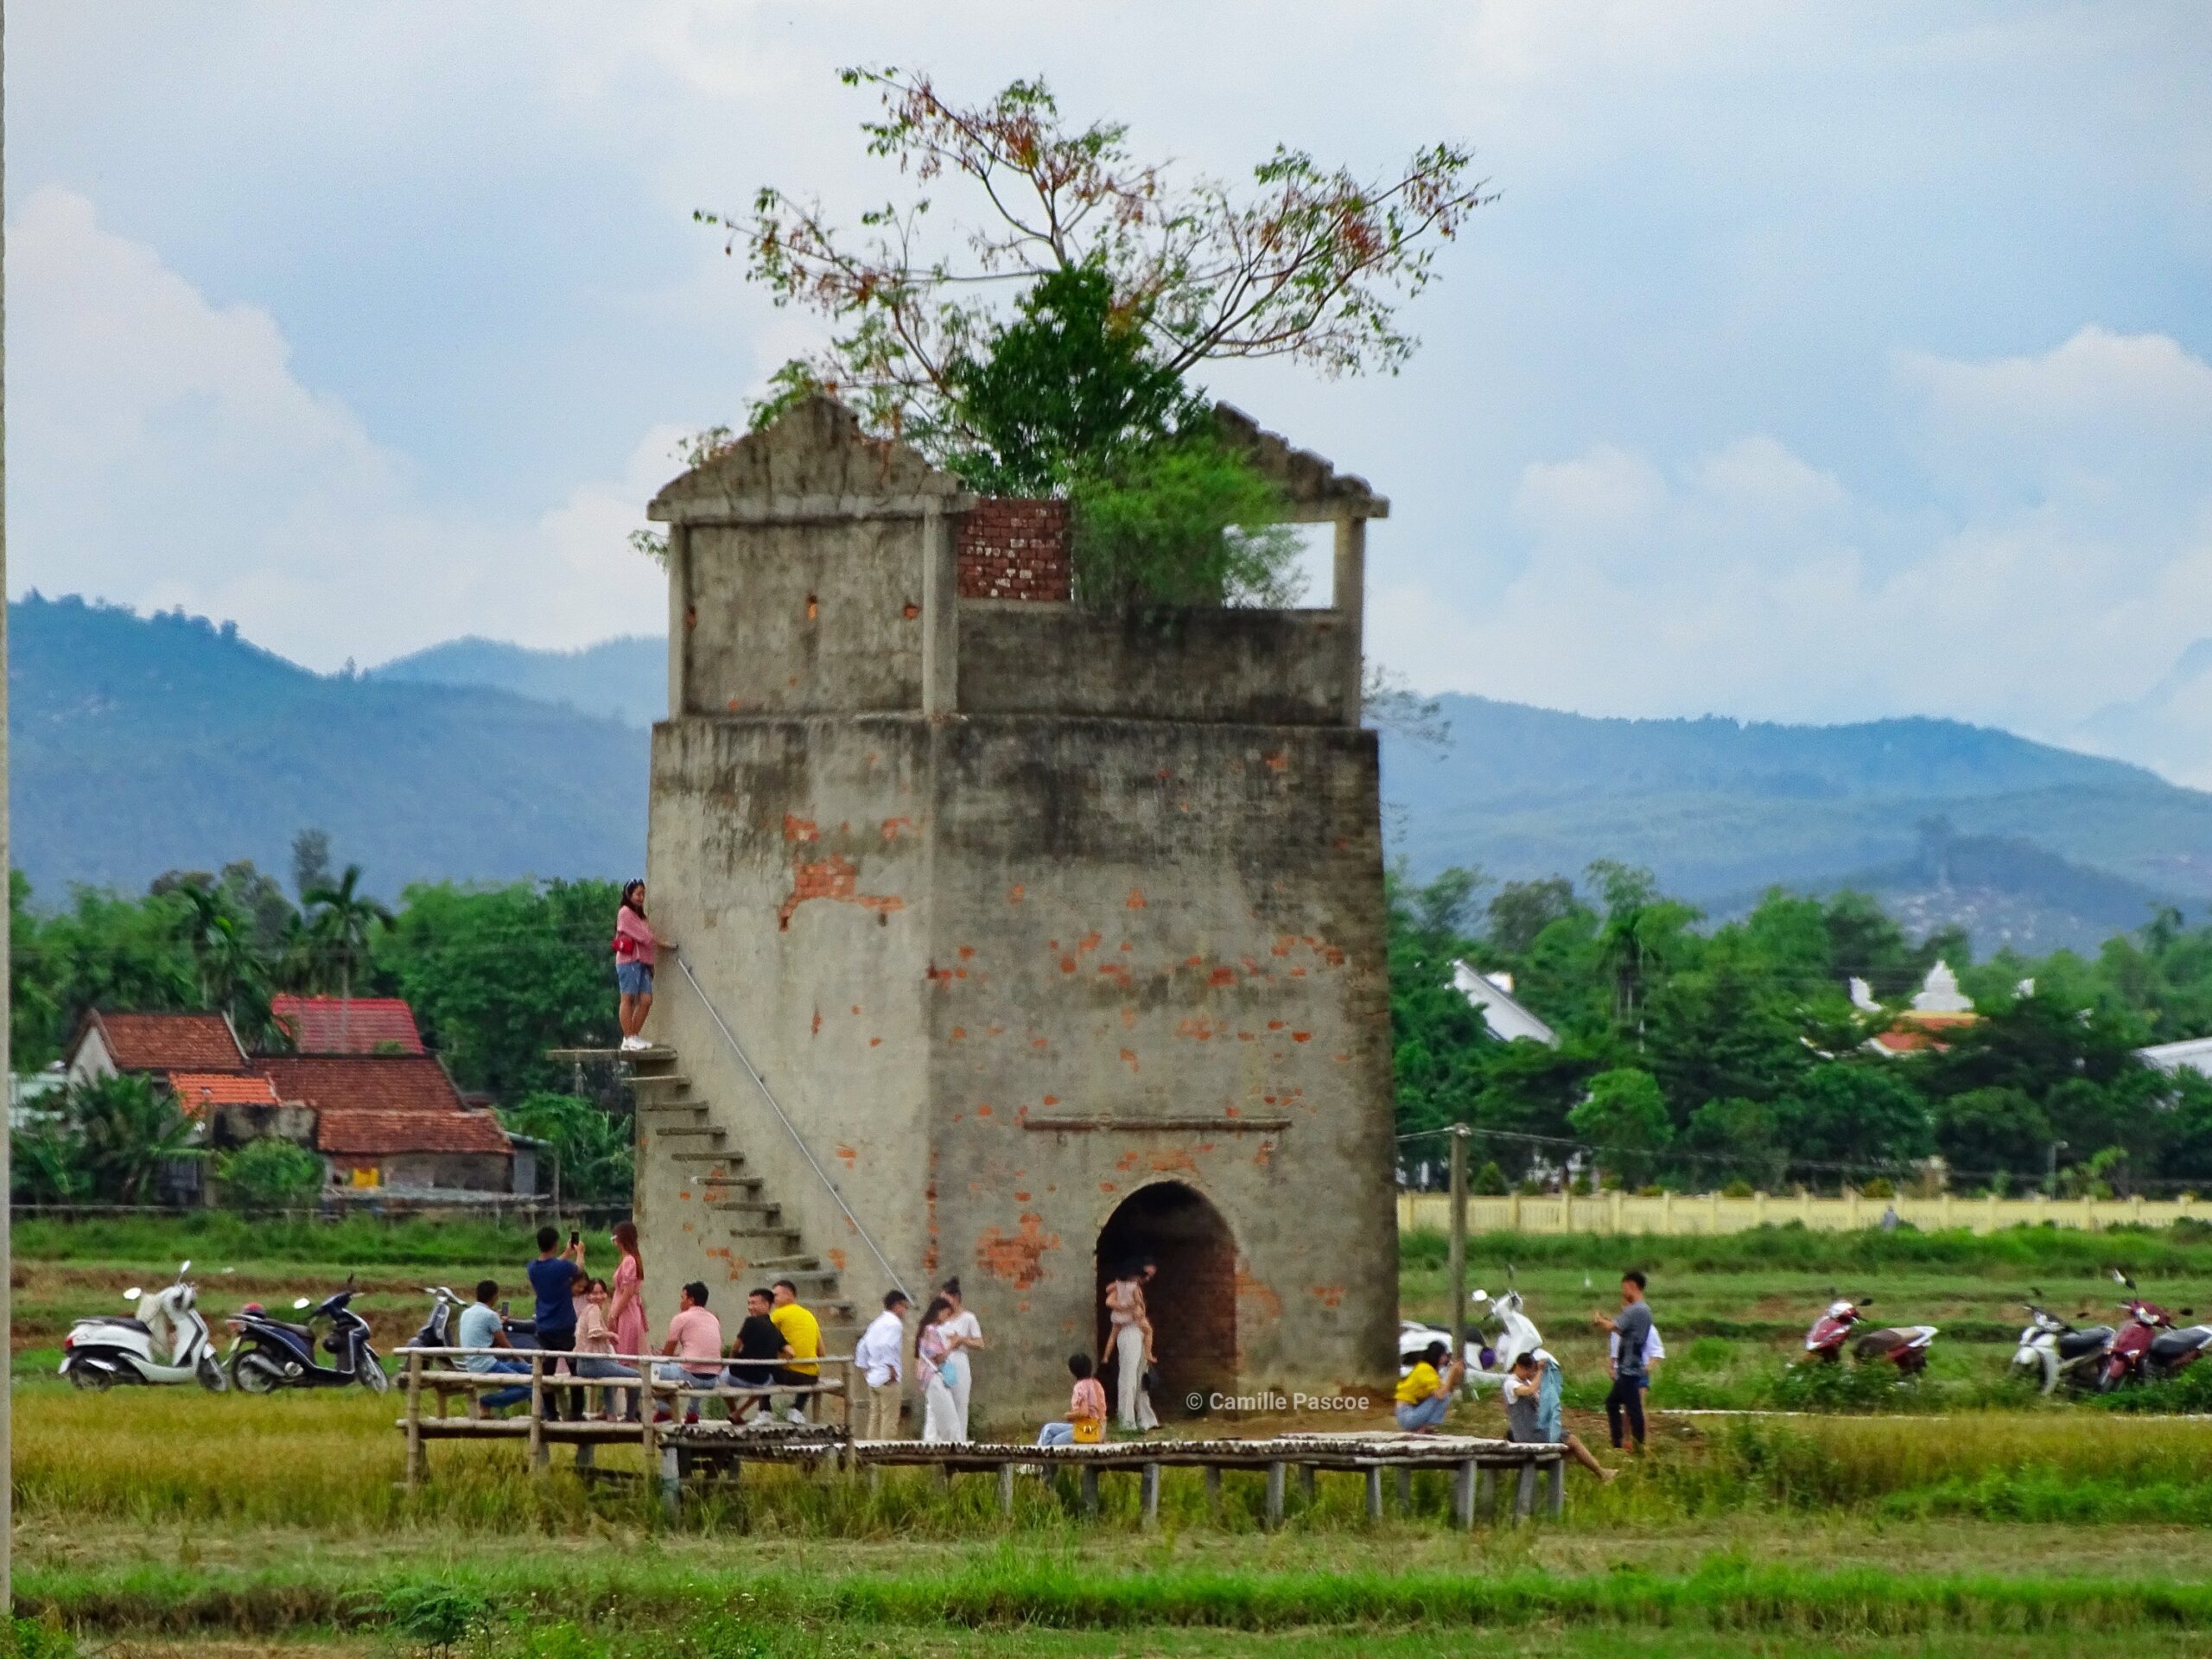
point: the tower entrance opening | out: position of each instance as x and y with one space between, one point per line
1192 1300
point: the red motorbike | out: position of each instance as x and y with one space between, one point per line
2149 1346
1904 1346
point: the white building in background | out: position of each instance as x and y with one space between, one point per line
2194 1054
1492 996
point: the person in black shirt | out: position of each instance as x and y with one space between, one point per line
756 1360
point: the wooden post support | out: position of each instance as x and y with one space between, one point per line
1276 1471
1405 1490
1486 1493
1006 1490
1089 1489
1555 1488
1375 1492
586 1458
671 1482
1213 1489
539 1458
1524 1494
1456 1262
1305 1477
1463 1497
648 1413
1148 1490
415 1456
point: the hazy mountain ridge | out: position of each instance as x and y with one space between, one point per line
142 744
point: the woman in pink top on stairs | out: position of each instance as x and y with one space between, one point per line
634 945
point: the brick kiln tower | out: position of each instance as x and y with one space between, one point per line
1057 935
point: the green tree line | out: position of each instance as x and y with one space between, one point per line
1701 1056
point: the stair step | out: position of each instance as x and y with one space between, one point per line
798 1265
768 1212
671 1105
689 1131
671 1080
732 1159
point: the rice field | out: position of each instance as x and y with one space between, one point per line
1973 1520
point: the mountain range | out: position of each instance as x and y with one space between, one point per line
145 744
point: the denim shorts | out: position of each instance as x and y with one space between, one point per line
633 978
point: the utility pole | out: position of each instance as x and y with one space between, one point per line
1456 1271
7 964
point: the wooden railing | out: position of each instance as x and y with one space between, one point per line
428 1370
1673 1213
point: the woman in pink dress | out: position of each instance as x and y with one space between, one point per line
626 1313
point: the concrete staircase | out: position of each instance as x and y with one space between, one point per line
675 1126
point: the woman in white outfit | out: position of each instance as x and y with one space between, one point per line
970 1332
1129 1337
937 1362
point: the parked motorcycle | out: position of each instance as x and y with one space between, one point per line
1904 1346
1488 1360
166 1342
2149 1346
2053 1351
267 1354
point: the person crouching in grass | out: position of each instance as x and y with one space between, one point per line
1425 1392
1532 1411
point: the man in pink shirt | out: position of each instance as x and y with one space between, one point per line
695 1339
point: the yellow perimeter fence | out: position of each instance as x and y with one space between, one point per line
1674 1214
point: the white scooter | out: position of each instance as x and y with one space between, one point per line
1486 1364
167 1342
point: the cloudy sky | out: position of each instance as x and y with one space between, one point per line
1817 362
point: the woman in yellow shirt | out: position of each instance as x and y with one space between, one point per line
1425 1392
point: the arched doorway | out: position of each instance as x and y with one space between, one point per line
1192 1301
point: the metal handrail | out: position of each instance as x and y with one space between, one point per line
791 1129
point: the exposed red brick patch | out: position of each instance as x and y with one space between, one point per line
1017 1258
1014 895
835 878
894 827
1129 1060
800 829
1301 1036
847 1155
1331 1296
1135 901
1222 977
817 1032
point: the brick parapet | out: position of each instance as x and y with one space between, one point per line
1013 548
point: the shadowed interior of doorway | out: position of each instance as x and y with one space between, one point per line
1192 1300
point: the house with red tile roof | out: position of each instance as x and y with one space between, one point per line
357 1025
153 1045
395 1120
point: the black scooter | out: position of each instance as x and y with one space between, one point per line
268 1354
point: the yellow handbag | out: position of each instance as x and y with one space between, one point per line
1089 1430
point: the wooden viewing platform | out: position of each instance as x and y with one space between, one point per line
676 1447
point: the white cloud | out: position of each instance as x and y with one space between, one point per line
1753 581
166 454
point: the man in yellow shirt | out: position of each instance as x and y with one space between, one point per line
801 1334
1425 1392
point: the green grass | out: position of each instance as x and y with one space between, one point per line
220 1238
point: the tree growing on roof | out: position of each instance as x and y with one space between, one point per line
1304 262
340 921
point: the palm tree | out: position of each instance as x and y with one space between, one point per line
129 1130
232 980
340 921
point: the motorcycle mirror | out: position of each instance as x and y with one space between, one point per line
2189 1312
132 1294
183 1268
299 1301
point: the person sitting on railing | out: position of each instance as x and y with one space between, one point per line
595 1347
1086 1420
482 1327
695 1338
756 1361
802 1346
1532 1411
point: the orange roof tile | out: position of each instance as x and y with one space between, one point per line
363 1024
196 1092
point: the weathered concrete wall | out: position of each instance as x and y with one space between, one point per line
1142 919
1247 666
785 858
805 619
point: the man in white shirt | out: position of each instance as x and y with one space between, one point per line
880 1355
